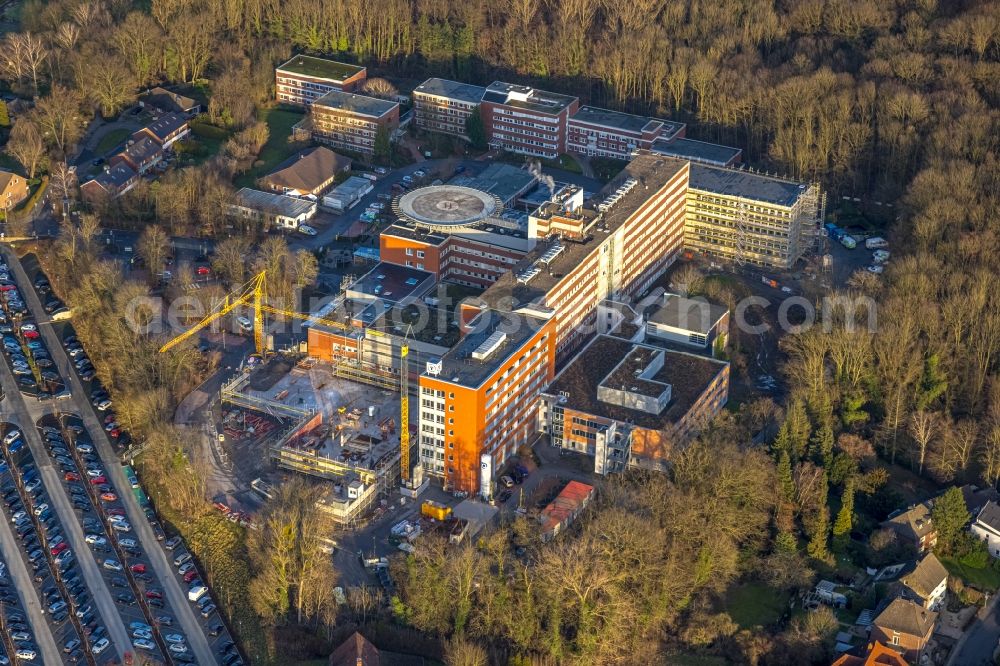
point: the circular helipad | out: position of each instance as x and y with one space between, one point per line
447 205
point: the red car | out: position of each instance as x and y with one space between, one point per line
59 547
115 433
7 287
110 418
71 476
29 335
116 512
138 568
190 576
98 480
154 594
203 270
108 497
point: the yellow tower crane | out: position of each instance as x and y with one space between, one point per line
252 294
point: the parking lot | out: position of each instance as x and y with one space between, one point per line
135 590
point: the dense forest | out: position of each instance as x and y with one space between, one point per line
894 102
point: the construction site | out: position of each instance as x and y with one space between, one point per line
326 426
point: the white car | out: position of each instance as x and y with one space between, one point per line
876 269
26 655
307 230
173 638
100 646
40 508
144 644
121 527
142 633
11 436
29 327
95 539
178 648
113 565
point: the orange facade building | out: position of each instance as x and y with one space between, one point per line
478 402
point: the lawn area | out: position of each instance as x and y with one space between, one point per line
694 660
564 162
987 579
111 140
755 604
277 149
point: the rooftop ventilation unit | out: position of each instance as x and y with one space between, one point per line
551 253
617 195
490 345
524 276
434 366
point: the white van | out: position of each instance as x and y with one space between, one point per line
245 324
196 593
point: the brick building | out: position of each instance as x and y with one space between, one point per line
520 119
304 79
351 122
597 132
440 105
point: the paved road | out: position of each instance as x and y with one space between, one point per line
977 646
67 518
27 593
176 596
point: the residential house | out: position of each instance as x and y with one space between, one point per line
876 654
166 131
986 526
927 583
272 209
914 526
976 497
161 100
310 172
905 626
13 189
114 181
141 155
356 651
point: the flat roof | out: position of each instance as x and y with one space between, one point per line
359 104
625 121
391 282
745 184
320 68
464 92
273 203
350 187
539 101
699 151
504 181
650 171
430 324
446 206
688 314
689 375
460 367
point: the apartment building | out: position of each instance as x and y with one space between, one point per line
597 132
751 217
304 79
585 256
440 105
351 122
624 403
520 119
477 403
